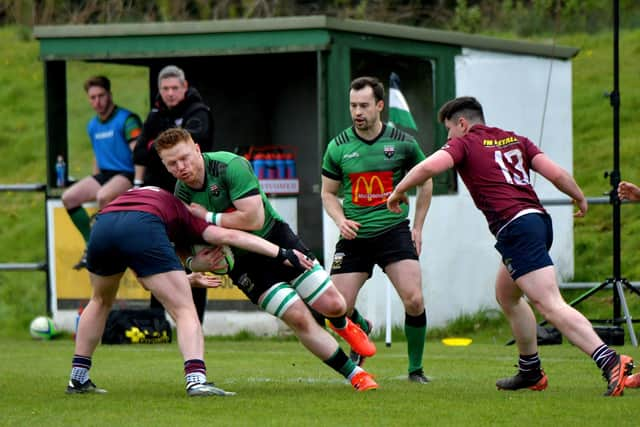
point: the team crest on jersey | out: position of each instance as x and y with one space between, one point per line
214 190
389 151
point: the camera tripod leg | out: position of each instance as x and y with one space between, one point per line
590 292
627 315
629 286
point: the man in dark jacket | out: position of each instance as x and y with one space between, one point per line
177 105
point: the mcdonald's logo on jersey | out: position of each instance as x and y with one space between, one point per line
371 188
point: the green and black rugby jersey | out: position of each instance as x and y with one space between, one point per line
369 171
228 177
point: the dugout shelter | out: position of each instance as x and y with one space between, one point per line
284 82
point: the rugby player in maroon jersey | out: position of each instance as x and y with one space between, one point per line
494 165
142 229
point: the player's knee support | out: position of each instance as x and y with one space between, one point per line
278 299
311 284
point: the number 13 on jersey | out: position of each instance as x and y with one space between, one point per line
512 166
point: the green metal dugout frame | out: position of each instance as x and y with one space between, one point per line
308 63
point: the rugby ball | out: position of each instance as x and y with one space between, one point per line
225 266
42 328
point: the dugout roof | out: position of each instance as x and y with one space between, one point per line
221 37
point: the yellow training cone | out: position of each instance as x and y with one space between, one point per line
457 341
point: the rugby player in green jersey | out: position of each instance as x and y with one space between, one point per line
366 161
222 188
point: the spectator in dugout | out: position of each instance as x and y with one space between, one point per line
113 132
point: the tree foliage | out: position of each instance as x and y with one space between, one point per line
523 17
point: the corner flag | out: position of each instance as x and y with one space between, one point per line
399 113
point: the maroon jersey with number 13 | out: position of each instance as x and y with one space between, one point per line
494 165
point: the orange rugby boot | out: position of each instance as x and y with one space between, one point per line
356 338
363 381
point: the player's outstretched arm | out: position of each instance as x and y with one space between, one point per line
243 240
248 214
628 191
562 180
436 163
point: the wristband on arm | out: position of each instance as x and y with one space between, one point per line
212 218
288 255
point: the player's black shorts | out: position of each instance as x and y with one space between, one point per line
130 239
524 244
254 273
361 254
105 175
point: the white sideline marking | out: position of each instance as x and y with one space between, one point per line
309 380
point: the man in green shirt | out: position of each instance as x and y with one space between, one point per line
222 188
366 161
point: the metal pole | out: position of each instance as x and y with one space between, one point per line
47 254
389 326
615 174
627 314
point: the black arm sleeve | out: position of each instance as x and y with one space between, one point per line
200 126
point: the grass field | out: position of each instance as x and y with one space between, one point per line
280 384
